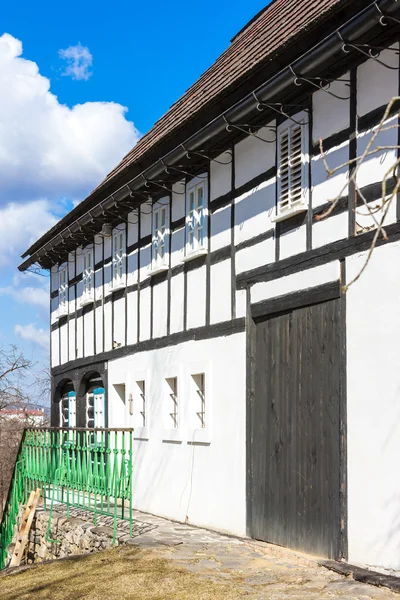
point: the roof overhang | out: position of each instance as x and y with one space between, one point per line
256 108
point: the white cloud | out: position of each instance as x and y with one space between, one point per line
28 295
47 149
31 333
21 225
79 60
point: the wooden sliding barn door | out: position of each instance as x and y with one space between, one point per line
294 445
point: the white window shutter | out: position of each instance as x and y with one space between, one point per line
296 164
71 409
196 211
99 408
284 169
292 174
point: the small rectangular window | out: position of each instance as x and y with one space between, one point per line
87 275
172 402
292 168
196 213
199 381
63 290
119 255
160 235
141 385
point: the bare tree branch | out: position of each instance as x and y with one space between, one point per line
382 205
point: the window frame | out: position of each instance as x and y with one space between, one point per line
63 289
173 433
141 429
87 296
158 265
118 261
200 181
72 409
299 206
98 406
200 398
195 432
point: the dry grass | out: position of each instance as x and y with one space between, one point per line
119 574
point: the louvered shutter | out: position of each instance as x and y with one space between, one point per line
284 170
296 165
291 178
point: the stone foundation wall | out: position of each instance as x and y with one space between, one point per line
70 536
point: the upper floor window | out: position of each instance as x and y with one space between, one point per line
196 213
118 257
292 168
63 289
87 275
160 235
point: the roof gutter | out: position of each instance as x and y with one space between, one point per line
310 63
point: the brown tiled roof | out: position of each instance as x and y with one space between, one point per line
259 44
273 28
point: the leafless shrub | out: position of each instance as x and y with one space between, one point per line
379 211
16 404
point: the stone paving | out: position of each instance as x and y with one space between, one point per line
260 570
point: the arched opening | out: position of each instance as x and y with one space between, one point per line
65 398
92 389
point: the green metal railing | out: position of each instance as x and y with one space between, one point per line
89 469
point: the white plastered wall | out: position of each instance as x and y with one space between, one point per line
179 479
177 308
220 289
254 156
63 333
119 321
55 348
293 283
254 210
132 312
330 116
220 228
376 86
196 297
145 314
221 175
160 306
373 409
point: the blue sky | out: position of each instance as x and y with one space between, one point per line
83 81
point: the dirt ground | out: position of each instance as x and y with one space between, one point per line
164 560
123 573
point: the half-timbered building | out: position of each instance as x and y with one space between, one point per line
197 295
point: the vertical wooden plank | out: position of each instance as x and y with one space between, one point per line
294 450
233 249
293 407
250 407
343 551
352 150
285 426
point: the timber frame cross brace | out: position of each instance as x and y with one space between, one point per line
26 525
